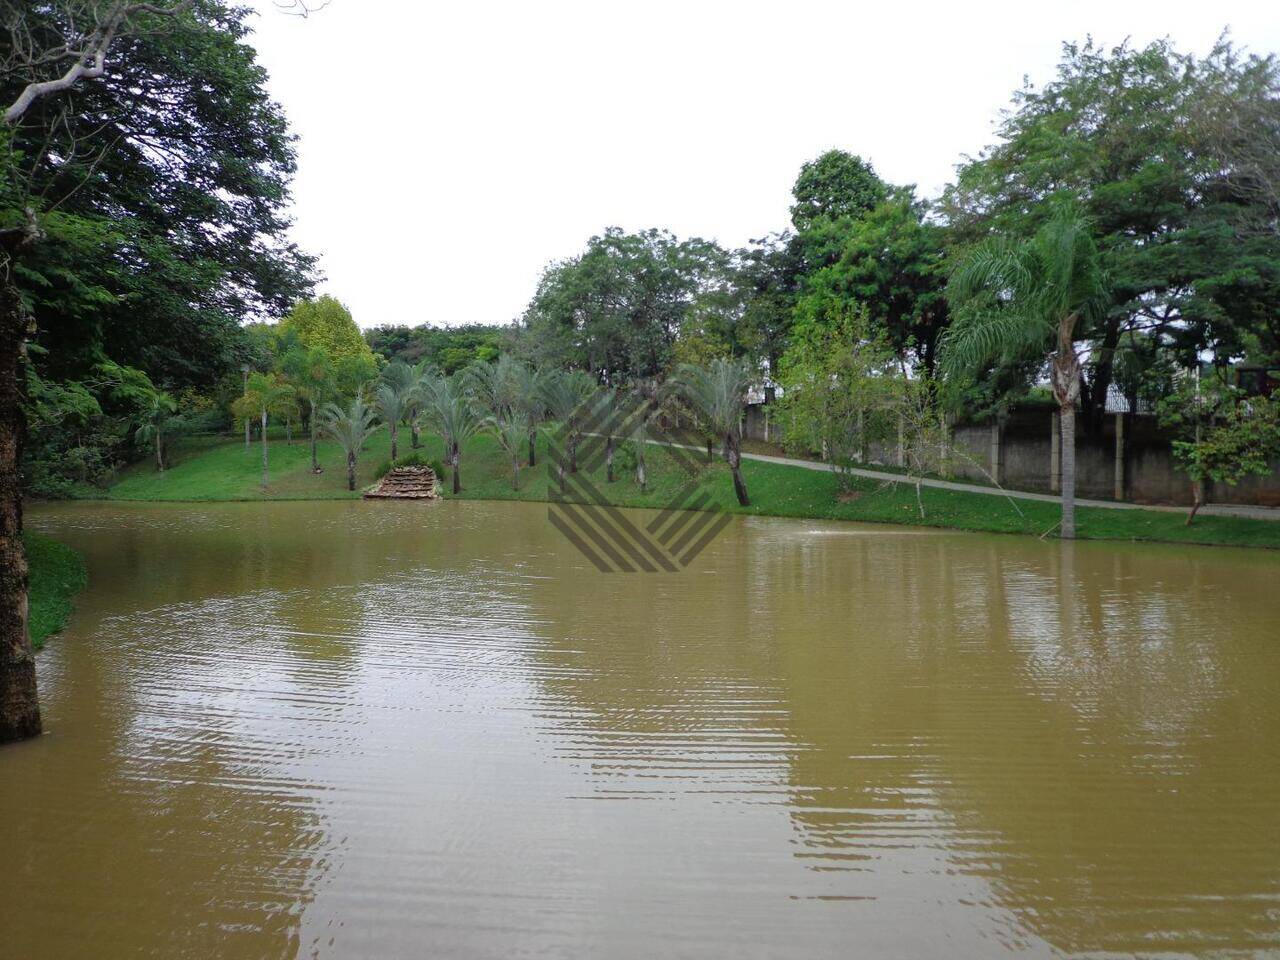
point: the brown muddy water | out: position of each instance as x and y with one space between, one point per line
351 730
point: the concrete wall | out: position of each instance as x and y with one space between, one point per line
1025 460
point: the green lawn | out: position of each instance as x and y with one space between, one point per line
224 471
57 573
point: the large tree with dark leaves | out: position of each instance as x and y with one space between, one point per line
143 178
1117 132
617 309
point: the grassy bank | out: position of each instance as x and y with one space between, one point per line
57 573
224 471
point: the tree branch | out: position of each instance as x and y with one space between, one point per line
91 62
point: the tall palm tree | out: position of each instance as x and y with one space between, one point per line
158 419
529 387
425 376
268 394
511 434
718 395
567 394
311 371
1019 300
450 409
351 428
395 396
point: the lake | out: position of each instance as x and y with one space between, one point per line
406 730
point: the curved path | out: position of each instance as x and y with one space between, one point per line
1209 509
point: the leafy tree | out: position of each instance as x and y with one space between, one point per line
449 349
839 389
890 260
511 434
835 186
616 310
312 374
1222 435
1120 132
719 394
325 322
1019 299
351 427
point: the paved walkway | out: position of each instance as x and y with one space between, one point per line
1209 509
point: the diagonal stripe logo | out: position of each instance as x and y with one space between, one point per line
613 539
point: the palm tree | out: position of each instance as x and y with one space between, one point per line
395 396
567 394
351 428
511 434
267 394
1019 300
718 396
157 420
311 371
425 377
451 411
529 387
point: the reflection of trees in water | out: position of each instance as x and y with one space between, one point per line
1082 732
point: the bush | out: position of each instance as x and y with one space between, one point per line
414 459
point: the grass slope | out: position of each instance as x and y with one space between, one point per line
57 573
224 471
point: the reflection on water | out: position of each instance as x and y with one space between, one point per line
353 730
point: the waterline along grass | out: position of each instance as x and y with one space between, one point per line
57 573
225 471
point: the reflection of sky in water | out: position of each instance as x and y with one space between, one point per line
352 730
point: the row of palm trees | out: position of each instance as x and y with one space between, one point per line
510 400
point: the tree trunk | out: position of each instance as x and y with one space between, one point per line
533 446
392 428
640 473
19 703
735 462
573 453
351 471
264 451
315 464
1197 500
455 458
415 435
608 458
288 431
710 455
159 454
1068 420
246 434
515 473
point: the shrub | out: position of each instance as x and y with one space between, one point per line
414 459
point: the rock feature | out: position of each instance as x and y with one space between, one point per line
405 483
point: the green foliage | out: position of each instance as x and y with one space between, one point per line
57 573
833 187
617 309
448 349
413 459
1129 135
839 389
326 324
1223 435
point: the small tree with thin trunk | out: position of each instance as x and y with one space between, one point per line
1016 299
451 410
394 397
159 421
718 395
268 394
311 372
351 428
567 394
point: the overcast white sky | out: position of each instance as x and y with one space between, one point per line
449 152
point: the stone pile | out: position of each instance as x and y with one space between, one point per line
405 483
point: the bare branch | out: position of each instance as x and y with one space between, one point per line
91 60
